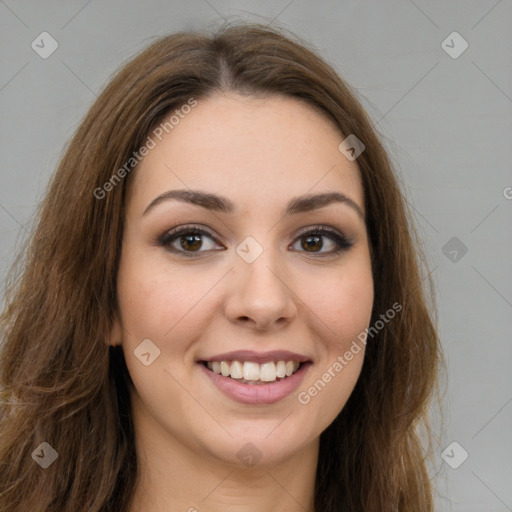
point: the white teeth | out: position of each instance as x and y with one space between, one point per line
252 372
268 372
224 369
281 369
236 370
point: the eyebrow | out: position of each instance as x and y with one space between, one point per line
300 204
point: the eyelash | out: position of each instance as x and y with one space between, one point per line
343 243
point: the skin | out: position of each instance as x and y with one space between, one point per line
260 153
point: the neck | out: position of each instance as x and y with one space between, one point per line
173 477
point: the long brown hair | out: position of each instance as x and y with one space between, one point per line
61 383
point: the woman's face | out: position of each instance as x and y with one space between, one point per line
273 279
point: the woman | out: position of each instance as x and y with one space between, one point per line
221 306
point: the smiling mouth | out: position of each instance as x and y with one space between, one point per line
252 373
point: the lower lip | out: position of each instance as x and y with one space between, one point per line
257 393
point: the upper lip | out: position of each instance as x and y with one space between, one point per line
258 357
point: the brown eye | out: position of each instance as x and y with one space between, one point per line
192 242
187 240
312 241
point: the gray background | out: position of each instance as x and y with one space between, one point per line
446 121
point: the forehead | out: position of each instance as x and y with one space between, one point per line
257 151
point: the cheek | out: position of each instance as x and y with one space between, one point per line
344 305
169 308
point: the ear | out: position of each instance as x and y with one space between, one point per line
115 335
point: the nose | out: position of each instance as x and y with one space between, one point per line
259 295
